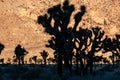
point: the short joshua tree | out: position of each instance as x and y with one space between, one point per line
34 58
20 53
1 47
44 55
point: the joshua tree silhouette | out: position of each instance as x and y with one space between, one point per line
96 45
65 39
61 16
112 45
78 16
20 53
81 38
2 60
90 42
34 58
1 47
44 55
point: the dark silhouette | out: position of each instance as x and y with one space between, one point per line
106 61
62 35
34 58
20 53
2 60
112 45
69 42
96 46
78 16
81 38
98 59
89 42
44 55
1 47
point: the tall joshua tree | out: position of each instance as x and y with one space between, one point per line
59 31
44 55
96 45
64 38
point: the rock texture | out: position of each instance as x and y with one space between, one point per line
18 21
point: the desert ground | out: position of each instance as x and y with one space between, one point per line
49 72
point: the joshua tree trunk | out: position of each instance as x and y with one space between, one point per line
77 68
19 61
113 56
44 61
81 67
22 60
91 61
60 65
91 66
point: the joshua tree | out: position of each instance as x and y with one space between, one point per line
20 53
44 55
112 45
63 38
34 58
1 47
96 46
89 42
83 40
117 42
2 60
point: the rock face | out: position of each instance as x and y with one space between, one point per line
18 21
